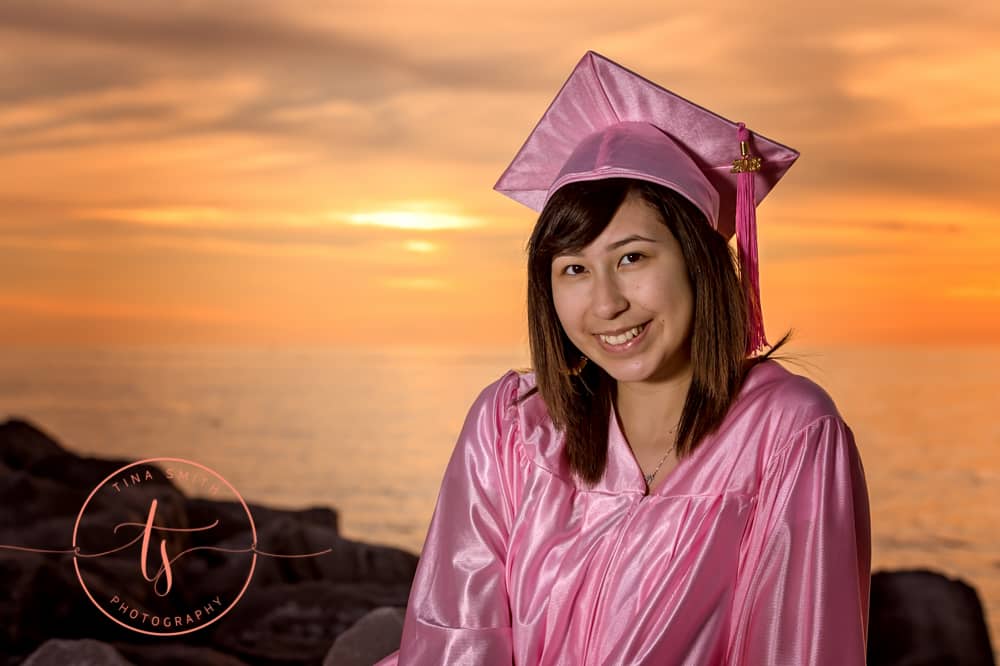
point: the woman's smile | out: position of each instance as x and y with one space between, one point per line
624 342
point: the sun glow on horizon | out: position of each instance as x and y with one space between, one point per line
415 217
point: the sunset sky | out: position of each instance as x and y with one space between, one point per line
303 172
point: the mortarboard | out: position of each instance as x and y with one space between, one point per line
609 122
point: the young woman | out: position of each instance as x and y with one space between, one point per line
654 492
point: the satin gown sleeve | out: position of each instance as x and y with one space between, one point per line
802 592
458 610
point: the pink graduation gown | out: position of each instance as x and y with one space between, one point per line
755 550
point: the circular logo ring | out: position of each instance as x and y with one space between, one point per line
120 473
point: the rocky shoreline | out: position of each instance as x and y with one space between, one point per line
345 607
293 611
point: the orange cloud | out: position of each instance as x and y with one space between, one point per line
293 173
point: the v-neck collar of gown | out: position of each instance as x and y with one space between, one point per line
623 473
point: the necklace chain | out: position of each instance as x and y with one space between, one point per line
652 475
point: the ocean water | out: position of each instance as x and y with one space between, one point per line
370 431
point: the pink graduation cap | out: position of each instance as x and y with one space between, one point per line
609 122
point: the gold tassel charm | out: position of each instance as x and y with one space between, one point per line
747 163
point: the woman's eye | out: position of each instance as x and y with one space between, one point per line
573 269
631 258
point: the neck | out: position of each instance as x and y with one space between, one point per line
648 408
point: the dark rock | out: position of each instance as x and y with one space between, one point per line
347 561
24 445
297 624
27 448
42 599
292 611
298 533
232 517
78 472
85 652
169 654
27 500
923 618
373 637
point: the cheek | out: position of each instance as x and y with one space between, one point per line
569 310
671 296
685 301
564 310
683 294
563 302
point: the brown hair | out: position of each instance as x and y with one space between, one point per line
580 404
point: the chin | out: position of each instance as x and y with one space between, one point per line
623 372
646 370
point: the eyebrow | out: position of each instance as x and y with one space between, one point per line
611 246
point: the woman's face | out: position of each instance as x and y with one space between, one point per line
625 300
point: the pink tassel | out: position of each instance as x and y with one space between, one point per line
746 240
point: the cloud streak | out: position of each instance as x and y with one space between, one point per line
228 131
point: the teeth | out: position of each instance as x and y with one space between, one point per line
623 338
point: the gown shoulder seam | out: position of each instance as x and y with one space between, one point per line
780 451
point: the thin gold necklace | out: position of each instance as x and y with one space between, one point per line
649 477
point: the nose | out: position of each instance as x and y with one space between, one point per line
608 300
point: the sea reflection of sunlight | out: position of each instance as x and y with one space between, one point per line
422 247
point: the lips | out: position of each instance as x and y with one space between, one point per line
619 331
625 340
